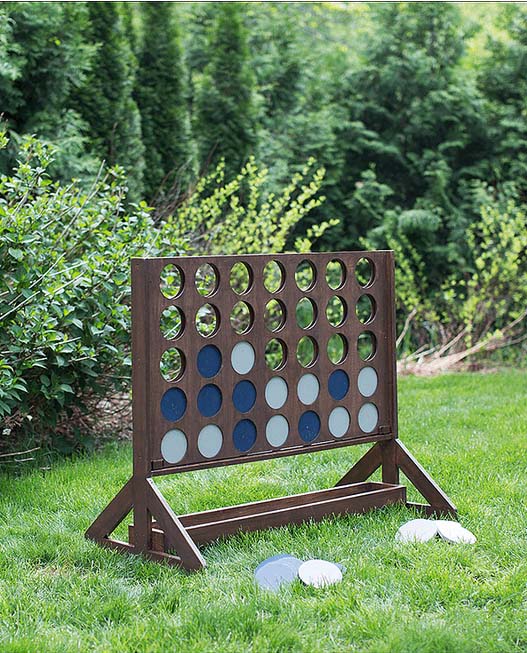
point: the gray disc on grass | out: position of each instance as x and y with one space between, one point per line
417 530
319 573
452 531
279 556
275 574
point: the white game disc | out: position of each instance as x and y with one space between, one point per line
417 530
319 573
452 531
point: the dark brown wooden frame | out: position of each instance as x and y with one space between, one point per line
157 532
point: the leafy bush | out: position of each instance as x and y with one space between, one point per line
64 283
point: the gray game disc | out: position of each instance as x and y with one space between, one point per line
417 530
284 558
452 531
274 574
319 573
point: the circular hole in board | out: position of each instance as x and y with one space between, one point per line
209 400
335 274
305 275
273 276
174 446
308 389
244 435
364 272
173 404
366 345
276 392
172 364
171 281
365 308
209 361
206 279
277 430
306 351
275 354
338 384
309 426
368 417
367 381
274 315
210 441
337 348
172 322
339 422
336 311
207 320
242 357
241 278
242 317
244 396
306 313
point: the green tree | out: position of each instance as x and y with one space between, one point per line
44 59
106 101
224 125
503 80
162 102
416 134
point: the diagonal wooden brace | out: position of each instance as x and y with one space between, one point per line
393 456
177 538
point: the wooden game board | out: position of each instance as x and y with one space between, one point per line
244 358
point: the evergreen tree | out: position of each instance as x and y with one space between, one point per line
162 102
44 58
503 80
106 101
224 124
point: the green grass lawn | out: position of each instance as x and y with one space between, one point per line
59 592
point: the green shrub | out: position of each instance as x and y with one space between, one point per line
64 282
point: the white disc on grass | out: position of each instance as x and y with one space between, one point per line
417 530
319 573
452 531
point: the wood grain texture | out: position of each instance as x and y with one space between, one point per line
151 386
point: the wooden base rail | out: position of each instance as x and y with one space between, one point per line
165 537
207 526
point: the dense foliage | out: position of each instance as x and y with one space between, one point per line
64 277
416 112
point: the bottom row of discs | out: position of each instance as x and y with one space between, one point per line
174 444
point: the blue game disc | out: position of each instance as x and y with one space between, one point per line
309 426
209 400
244 435
338 384
244 396
173 404
209 361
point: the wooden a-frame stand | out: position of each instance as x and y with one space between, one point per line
160 535
157 532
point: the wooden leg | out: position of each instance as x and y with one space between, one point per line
393 456
151 503
390 470
113 514
176 537
363 468
439 501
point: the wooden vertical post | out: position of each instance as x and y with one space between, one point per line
140 379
